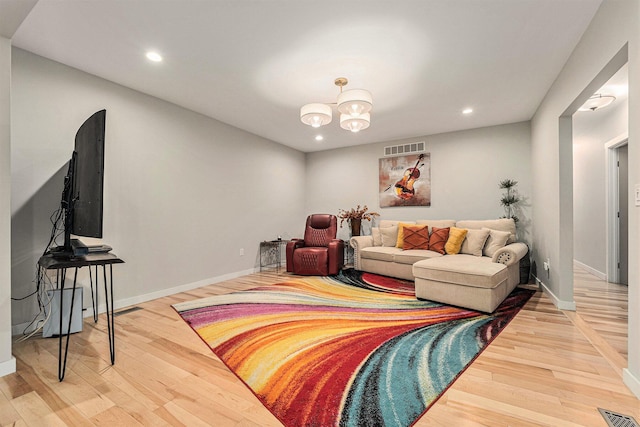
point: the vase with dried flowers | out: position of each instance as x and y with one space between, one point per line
354 217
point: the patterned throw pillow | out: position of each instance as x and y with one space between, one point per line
454 243
415 237
438 239
401 226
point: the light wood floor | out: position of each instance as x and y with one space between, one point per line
604 307
545 369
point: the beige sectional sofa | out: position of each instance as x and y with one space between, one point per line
479 277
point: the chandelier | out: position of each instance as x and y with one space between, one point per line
354 106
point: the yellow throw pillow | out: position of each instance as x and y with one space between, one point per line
400 241
454 243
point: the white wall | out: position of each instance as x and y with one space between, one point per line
183 192
466 168
591 131
7 362
552 161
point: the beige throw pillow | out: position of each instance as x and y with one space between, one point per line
389 235
377 236
474 242
496 240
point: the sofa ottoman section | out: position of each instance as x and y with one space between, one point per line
479 285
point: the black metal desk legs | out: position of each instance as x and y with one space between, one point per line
94 301
108 295
108 292
62 361
61 264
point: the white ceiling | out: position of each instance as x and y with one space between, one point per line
254 63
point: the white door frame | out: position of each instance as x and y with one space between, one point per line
613 227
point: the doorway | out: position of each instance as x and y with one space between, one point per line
623 215
600 185
617 177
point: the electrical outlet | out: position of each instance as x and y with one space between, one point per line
241 251
546 265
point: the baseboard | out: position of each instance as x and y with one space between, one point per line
8 367
599 274
126 302
560 304
169 291
631 381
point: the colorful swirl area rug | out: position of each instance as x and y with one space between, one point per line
355 349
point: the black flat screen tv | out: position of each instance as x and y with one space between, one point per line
84 183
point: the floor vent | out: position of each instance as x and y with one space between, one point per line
127 311
614 419
412 147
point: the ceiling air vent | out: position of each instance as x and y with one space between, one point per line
409 148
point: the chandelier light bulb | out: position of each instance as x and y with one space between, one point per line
356 109
315 115
355 102
355 123
154 56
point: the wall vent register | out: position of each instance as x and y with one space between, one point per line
410 148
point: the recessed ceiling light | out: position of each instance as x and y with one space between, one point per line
467 111
319 138
154 56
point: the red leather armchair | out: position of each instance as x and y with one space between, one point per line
319 253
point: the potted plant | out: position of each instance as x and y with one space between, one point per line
354 217
510 199
509 202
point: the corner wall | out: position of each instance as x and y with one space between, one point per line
183 193
7 362
466 168
551 159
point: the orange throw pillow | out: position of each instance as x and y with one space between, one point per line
438 239
415 237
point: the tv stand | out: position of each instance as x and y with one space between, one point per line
52 261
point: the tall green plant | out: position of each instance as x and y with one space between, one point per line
510 198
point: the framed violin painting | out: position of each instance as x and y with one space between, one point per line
405 180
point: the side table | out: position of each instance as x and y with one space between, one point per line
61 264
271 252
348 254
